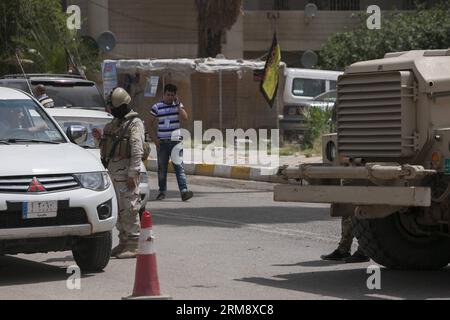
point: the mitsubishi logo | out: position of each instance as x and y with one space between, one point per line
36 186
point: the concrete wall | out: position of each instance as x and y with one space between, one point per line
98 17
295 31
150 28
233 48
157 29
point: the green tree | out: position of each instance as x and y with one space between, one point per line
422 29
9 18
318 121
37 29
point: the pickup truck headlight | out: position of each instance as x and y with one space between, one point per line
97 181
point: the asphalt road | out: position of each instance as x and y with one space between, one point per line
230 242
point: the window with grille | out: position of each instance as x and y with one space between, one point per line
342 5
281 5
337 5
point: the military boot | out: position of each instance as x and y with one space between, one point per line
358 257
130 251
336 255
118 249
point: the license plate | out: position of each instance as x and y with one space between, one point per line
41 209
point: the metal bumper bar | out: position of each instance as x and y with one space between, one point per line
357 195
367 172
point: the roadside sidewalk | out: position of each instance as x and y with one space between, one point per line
232 171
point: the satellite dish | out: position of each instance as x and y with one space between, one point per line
309 59
107 41
310 10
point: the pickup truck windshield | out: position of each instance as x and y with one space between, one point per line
85 96
23 121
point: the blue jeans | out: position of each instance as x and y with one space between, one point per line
164 154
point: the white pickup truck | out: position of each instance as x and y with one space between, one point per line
54 195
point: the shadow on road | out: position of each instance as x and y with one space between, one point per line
213 216
315 263
352 284
174 196
62 259
17 271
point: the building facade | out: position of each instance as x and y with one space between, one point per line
168 29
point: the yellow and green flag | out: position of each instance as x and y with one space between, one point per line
269 83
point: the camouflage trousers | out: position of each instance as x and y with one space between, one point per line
347 234
129 205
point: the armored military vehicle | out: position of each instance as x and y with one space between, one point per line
388 164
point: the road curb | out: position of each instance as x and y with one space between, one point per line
238 172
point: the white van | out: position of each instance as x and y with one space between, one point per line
306 84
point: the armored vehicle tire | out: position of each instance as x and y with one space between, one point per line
390 244
92 254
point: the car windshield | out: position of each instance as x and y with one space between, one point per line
87 97
329 96
89 123
308 87
24 121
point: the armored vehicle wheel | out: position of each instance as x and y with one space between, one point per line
394 243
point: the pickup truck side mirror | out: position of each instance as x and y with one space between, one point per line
77 134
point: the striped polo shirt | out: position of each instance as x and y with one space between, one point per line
46 101
168 120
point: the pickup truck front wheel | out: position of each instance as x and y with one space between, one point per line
92 254
390 243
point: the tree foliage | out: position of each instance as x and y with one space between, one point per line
37 30
318 121
214 18
422 29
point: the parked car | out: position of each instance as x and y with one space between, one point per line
69 91
54 195
96 119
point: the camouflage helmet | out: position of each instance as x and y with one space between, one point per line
119 97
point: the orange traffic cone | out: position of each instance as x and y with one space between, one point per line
146 284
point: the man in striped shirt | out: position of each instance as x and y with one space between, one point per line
43 98
169 114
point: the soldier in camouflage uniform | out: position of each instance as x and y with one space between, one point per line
342 253
122 149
